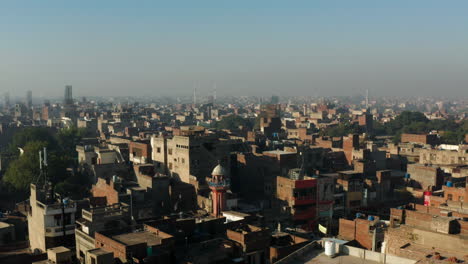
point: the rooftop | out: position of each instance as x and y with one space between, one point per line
278 152
98 252
59 250
323 259
135 238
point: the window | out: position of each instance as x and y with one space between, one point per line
67 218
449 197
58 220
461 198
158 150
169 151
93 260
170 165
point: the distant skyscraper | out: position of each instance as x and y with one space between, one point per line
29 99
274 99
6 98
68 95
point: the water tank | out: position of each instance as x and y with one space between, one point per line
330 248
407 176
65 201
358 215
449 184
370 218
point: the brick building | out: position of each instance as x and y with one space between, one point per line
424 177
419 232
255 242
298 198
429 139
367 233
270 121
350 144
130 245
140 152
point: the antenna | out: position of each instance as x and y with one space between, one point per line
40 160
45 157
195 93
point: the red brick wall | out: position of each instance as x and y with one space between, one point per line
455 193
119 250
347 229
142 149
362 233
102 189
349 143
418 219
396 214
418 138
463 227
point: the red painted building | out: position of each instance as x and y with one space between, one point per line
299 196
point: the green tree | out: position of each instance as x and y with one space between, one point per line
25 169
29 134
234 122
68 138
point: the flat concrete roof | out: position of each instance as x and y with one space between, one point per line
99 252
278 152
324 259
135 238
60 249
236 213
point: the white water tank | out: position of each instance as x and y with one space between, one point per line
330 248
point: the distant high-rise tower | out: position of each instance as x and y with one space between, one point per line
274 99
29 99
68 95
6 98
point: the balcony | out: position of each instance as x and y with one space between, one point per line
307 215
58 230
53 209
106 213
304 200
219 184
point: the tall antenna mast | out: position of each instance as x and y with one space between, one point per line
195 93
43 167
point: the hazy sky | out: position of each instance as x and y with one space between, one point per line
246 47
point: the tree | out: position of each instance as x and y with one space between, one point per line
342 129
68 138
234 122
61 153
25 170
30 134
